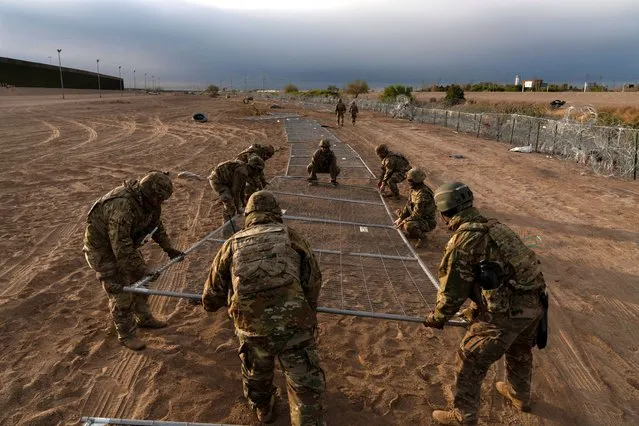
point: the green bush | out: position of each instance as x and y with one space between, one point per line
454 95
333 89
357 87
390 93
291 88
213 90
320 92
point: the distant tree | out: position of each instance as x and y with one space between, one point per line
213 90
332 89
291 88
390 93
454 95
357 87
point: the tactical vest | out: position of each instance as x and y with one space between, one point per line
263 259
403 165
522 270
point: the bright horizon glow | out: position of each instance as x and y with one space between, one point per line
278 5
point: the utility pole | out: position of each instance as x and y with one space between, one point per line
60 66
231 82
49 60
153 83
263 81
244 84
121 84
159 85
97 61
145 82
133 79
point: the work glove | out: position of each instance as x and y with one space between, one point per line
112 286
469 313
398 223
173 253
431 322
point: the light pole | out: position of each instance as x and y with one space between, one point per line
159 85
60 66
133 79
49 60
153 83
97 61
144 81
121 85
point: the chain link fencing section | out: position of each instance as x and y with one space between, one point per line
609 151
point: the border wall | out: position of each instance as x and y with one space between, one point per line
18 73
609 151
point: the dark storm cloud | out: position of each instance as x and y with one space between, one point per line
389 42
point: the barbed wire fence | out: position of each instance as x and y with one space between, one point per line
608 151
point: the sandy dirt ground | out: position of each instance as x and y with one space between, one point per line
60 358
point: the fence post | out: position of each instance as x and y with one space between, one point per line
634 173
433 115
512 129
537 140
479 124
446 119
554 138
498 128
458 113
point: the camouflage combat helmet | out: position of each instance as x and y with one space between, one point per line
270 150
453 195
156 186
381 150
416 175
256 162
262 201
324 143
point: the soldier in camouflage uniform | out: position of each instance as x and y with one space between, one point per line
229 179
486 262
323 161
269 278
255 181
118 224
340 110
263 151
417 218
354 111
394 168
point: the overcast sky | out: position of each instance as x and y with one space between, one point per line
314 43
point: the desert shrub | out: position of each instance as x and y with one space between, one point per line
291 88
432 100
454 95
320 92
213 90
390 93
357 87
333 89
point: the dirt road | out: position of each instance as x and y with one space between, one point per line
60 358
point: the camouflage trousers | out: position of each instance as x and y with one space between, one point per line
484 344
299 361
313 169
127 310
252 185
226 197
354 118
394 179
417 229
340 118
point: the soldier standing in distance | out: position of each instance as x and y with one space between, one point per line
118 224
354 111
417 218
269 279
488 263
394 168
340 110
323 161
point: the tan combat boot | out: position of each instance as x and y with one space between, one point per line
507 391
152 322
133 343
446 417
267 413
420 242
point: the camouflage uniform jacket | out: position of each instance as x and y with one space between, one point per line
324 160
268 277
353 109
117 225
255 149
475 239
340 108
393 163
421 206
228 172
